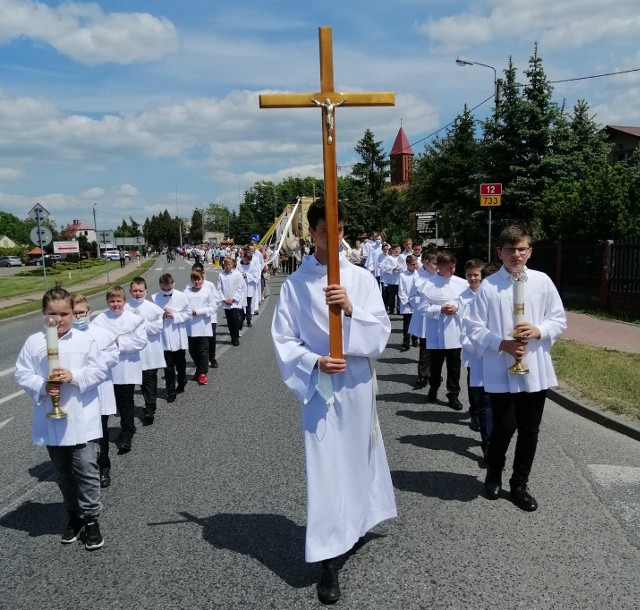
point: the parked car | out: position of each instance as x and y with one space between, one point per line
10 261
114 255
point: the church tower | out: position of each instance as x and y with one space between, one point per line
401 157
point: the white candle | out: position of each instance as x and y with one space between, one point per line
518 300
52 344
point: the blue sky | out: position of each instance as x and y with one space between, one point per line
126 103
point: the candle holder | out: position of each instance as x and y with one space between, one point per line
56 412
519 368
51 326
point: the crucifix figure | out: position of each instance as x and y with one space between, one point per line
332 99
328 115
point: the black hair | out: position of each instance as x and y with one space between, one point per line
317 211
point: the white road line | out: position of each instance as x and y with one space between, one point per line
609 476
11 397
5 422
8 371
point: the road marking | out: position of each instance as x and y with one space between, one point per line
8 371
5 422
11 397
609 476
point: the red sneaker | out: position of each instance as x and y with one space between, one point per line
202 379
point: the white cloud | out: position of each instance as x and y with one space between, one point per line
84 32
126 191
557 25
93 193
11 174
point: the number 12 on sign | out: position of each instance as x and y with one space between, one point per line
492 201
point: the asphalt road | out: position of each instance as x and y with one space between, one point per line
208 510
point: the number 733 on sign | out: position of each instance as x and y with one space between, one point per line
489 201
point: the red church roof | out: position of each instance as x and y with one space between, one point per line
401 145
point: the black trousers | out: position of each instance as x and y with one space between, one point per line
424 360
150 390
199 352
247 312
392 298
510 412
103 457
406 337
234 321
176 363
126 406
212 343
454 364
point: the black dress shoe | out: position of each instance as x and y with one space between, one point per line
105 477
171 398
474 424
454 403
214 363
521 497
180 388
422 382
432 397
235 342
492 484
148 420
124 445
415 343
328 586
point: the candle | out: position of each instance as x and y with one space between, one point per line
518 300
52 344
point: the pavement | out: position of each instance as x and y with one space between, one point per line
583 328
208 509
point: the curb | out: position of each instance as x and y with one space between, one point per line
611 421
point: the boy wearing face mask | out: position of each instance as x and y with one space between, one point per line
152 354
176 312
110 355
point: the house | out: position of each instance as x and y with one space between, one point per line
77 228
625 141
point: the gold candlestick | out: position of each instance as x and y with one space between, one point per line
53 358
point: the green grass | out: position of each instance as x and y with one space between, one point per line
34 285
604 377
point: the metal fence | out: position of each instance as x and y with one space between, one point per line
603 274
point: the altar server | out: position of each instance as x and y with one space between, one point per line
127 331
152 353
176 312
517 401
349 487
72 442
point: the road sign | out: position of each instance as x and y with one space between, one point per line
490 201
65 247
43 238
491 188
37 212
426 224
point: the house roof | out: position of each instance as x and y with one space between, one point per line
634 131
76 226
401 145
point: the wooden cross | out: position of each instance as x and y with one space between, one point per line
329 99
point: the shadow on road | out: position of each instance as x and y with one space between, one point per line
445 442
275 541
440 417
446 486
36 518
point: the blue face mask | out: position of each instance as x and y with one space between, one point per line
81 323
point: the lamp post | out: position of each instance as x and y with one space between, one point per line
497 91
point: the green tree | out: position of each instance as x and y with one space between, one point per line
372 171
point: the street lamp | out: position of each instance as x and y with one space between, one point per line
497 93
